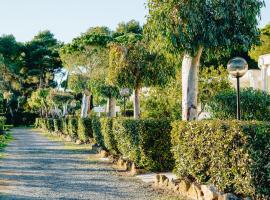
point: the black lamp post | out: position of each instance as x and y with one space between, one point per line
124 92
237 67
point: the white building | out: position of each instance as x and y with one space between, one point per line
257 78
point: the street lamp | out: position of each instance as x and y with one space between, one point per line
124 92
237 67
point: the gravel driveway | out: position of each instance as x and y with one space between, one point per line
37 168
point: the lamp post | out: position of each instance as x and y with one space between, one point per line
237 67
124 92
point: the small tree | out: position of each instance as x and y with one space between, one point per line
133 66
189 27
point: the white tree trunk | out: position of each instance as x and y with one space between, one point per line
190 70
136 103
84 106
111 107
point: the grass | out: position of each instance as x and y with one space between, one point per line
4 139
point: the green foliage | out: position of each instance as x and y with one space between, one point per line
58 125
50 124
164 102
232 155
264 47
255 105
127 133
73 127
110 141
4 139
59 98
212 82
155 145
65 126
96 128
133 66
132 26
145 142
38 101
185 26
85 129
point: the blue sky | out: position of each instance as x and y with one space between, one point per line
68 18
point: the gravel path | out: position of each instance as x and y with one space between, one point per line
37 168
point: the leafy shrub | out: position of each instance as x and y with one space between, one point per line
234 156
110 142
255 105
73 127
58 125
85 129
2 124
50 124
65 126
96 128
155 145
44 124
37 123
126 132
145 142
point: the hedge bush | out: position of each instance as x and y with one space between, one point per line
85 129
97 135
126 132
73 127
110 142
234 156
65 126
145 142
58 125
255 105
49 124
155 145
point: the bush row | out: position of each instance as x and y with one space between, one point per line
76 128
234 156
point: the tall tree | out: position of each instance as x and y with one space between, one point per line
133 66
190 27
42 60
264 46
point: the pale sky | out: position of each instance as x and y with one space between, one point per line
68 18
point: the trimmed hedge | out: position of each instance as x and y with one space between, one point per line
110 142
145 142
85 129
50 125
234 156
73 127
97 135
58 125
65 126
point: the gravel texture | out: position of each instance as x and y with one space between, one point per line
35 167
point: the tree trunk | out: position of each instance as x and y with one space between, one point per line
190 70
84 106
111 107
136 103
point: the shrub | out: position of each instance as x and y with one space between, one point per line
58 125
65 126
110 142
50 124
96 128
85 129
2 124
126 132
37 123
255 105
44 124
73 127
234 156
155 145
145 142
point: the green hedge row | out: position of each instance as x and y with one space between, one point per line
145 142
234 156
76 128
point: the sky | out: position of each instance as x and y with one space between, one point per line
69 18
